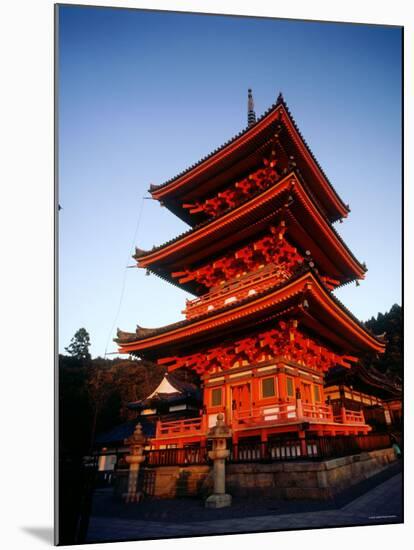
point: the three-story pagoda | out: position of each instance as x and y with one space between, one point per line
261 258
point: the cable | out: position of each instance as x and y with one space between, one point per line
121 297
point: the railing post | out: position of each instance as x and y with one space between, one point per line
299 409
203 423
343 415
235 447
157 428
303 446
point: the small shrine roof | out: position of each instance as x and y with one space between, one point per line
170 390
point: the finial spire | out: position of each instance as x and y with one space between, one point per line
251 115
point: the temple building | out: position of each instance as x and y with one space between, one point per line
172 401
262 259
366 389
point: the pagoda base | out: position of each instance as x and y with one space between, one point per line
218 501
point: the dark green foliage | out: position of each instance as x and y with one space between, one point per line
187 375
75 409
79 345
390 323
93 396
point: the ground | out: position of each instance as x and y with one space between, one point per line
374 501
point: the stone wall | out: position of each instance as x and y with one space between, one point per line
288 480
171 481
175 481
305 480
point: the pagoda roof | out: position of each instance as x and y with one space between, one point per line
305 220
361 376
232 159
304 295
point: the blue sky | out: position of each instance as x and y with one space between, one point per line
142 95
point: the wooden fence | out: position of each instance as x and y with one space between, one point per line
276 449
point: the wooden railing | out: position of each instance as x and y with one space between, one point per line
239 289
172 457
188 426
350 417
317 412
279 449
280 413
285 412
283 449
274 450
332 447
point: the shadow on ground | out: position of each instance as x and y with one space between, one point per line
192 509
44 534
376 501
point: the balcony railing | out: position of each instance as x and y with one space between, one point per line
234 291
317 412
350 417
280 413
188 426
275 414
285 412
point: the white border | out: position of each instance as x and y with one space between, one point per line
26 46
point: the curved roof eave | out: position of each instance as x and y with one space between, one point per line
145 259
164 189
342 313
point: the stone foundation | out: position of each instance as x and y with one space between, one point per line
305 480
175 481
319 480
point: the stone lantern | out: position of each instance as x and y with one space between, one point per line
219 434
136 442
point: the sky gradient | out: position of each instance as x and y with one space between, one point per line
143 95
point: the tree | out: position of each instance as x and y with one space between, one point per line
98 390
390 323
79 345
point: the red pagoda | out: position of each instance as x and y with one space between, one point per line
261 258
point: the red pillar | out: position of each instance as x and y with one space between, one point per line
303 446
263 443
